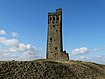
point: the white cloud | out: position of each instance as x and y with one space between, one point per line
13 49
2 39
26 48
2 32
14 34
14 46
12 42
84 50
9 42
81 50
82 57
77 55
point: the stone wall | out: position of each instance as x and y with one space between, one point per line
50 70
33 70
65 56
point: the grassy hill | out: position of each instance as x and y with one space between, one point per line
46 69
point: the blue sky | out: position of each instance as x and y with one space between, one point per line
23 24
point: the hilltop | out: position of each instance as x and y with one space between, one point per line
45 69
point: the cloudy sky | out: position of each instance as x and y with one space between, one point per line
23 29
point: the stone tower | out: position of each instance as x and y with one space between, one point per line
54 37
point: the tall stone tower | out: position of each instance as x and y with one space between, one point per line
54 37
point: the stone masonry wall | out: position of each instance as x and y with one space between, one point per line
50 70
33 70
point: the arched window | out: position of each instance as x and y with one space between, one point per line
53 17
57 17
50 18
50 39
53 25
56 48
